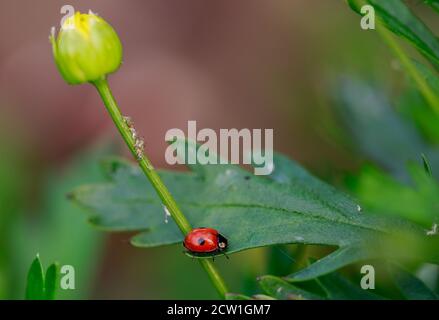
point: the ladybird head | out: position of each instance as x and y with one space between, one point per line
222 243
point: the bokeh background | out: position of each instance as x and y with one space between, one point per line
226 64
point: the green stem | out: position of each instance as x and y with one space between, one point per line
215 277
429 95
152 175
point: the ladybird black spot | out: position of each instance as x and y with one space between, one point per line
201 241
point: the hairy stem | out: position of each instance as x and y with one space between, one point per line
152 175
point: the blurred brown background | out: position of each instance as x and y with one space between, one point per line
223 63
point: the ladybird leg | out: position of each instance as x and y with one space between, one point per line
186 252
226 256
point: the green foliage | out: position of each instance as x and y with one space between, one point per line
381 193
427 167
410 286
332 286
300 209
429 83
398 18
35 281
428 75
337 287
40 286
291 206
280 289
76 243
391 141
336 260
412 106
395 143
51 281
268 212
434 4
376 129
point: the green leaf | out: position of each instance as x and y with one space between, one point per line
282 290
290 172
413 107
35 281
429 76
336 260
410 286
339 288
51 281
427 82
40 287
426 164
416 201
251 211
268 213
434 4
398 18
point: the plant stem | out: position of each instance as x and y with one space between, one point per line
429 95
152 175
214 277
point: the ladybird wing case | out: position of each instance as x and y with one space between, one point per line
201 241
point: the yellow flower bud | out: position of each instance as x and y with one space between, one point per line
87 48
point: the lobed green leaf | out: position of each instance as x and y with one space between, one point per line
291 206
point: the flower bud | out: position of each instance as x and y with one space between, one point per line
87 48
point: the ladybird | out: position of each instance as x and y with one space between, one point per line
204 242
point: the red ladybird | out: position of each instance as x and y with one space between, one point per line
205 241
